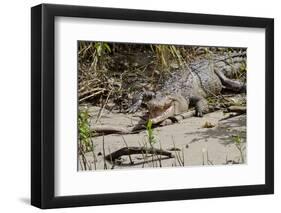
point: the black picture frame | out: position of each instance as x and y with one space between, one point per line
43 102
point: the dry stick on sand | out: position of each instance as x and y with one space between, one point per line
95 157
89 92
101 110
113 165
146 154
131 161
143 156
203 158
182 156
104 157
84 159
137 150
177 155
208 160
92 95
93 151
110 129
160 159
80 162
86 163
238 109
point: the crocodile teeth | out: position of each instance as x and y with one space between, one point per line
163 115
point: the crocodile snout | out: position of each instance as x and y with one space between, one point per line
165 107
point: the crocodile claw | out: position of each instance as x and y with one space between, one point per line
199 113
133 108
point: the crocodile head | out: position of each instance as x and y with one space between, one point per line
163 107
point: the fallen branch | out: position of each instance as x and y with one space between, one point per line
111 129
178 118
235 111
101 110
238 109
136 150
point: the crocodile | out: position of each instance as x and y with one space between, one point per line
201 79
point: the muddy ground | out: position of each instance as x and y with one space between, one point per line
195 141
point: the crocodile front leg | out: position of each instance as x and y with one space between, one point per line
138 99
201 105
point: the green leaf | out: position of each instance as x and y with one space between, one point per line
107 47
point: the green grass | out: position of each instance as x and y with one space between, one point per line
85 134
150 133
240 146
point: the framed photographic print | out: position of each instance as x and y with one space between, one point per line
140 106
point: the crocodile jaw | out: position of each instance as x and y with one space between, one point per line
165 107
156 118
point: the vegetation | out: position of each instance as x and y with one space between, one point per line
84 131
85 143
150 134
240 146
